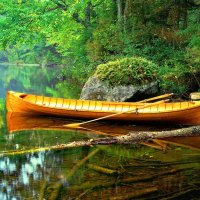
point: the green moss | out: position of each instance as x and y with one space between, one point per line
126 71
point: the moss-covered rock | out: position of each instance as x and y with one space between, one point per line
128 79
127 71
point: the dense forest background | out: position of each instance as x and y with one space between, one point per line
85 33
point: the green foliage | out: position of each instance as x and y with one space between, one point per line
83 34
178 79
134 70
66 90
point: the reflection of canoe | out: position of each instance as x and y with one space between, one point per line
188 142
173 112
21 122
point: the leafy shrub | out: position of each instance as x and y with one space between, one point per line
179 79
133 70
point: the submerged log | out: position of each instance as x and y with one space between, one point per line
56 191
173 194
114 183
183 194
136 194
42 190
80 163
102 170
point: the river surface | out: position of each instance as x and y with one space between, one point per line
159 169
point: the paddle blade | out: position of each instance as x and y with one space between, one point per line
75 125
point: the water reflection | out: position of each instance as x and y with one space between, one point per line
19 176
84 171
188 142
37 80
20 78
55 169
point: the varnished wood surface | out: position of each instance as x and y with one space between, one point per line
172 112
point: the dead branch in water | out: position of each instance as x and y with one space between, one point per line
143 136
103 170
113 183
80 163
135 194
131 138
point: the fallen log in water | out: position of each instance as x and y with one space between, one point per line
103 170
141 136
136 194
131 138
119 182
80 163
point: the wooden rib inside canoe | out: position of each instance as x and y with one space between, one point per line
173 112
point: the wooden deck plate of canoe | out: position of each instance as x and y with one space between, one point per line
187 112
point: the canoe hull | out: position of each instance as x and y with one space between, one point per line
16 103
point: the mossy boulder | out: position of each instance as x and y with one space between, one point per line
128 79
127 71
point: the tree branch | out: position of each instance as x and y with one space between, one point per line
77 18
59 5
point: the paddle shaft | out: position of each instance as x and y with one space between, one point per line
115 114
155 98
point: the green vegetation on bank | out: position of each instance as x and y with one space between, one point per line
81 35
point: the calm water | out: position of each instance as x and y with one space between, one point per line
155 170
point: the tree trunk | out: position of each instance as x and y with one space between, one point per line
185 14
127 14
88 11
119 11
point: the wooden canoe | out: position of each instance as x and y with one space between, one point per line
187 113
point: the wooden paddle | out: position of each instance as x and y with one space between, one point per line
155 98
76 125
